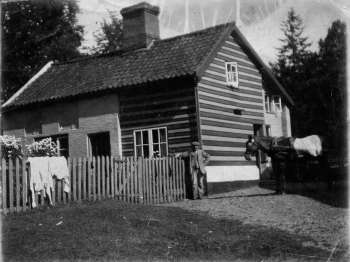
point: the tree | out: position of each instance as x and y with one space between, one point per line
293 60
33 33
294 45
331 83
109 39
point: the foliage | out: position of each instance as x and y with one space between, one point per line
11 146
44 147
109 38
34 33
331 83
315 80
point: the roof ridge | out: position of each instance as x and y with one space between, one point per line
197 31
121 53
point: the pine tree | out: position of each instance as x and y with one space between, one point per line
290 68
294 45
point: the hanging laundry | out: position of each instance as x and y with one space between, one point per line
40 177
58 167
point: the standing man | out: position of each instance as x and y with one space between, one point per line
198 160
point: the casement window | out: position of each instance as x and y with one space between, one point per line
151 142
277 103
273 104
61 141
231 74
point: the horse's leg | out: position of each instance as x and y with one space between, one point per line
276 168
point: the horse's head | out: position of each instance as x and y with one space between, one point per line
251 148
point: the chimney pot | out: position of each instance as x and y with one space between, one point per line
140 26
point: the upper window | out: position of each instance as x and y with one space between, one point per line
273 104
151 142
231 73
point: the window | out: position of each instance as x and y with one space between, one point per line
276 100
267 104
151 142
231 74
273 104
268 130
99 144
62 144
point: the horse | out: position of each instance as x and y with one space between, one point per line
288 152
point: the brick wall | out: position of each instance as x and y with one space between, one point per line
75 118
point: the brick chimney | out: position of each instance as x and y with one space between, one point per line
140 26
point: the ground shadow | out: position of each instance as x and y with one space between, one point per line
336 196
245 195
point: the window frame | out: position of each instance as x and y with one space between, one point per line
229 82
270 104
151 143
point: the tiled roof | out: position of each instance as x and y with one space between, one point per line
168 58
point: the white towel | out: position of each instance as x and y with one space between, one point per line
40 177
58 167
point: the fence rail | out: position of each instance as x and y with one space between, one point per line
144 181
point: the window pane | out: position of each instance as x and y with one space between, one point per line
228 67
162 135
155 136
163 151
146 151
145 137
156 152
234 68
138 138
139 151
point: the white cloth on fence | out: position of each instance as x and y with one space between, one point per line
58 167
40 177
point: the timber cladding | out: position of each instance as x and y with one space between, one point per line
227 114
169 104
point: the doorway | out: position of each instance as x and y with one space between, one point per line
99 144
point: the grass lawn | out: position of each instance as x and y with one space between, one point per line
111 230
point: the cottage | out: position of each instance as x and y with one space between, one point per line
155 96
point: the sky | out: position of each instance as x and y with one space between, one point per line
259 20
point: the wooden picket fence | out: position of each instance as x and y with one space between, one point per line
144 181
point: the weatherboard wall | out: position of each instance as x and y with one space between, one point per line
223 132
168 104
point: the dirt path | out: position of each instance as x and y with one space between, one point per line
326 224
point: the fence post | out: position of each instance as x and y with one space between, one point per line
79 179
25 184
113 178
94 178
103 176
99 177
183 174
18 187
132 185
139 178
4 186
108 176
84 179
11 184
74 180
89 172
